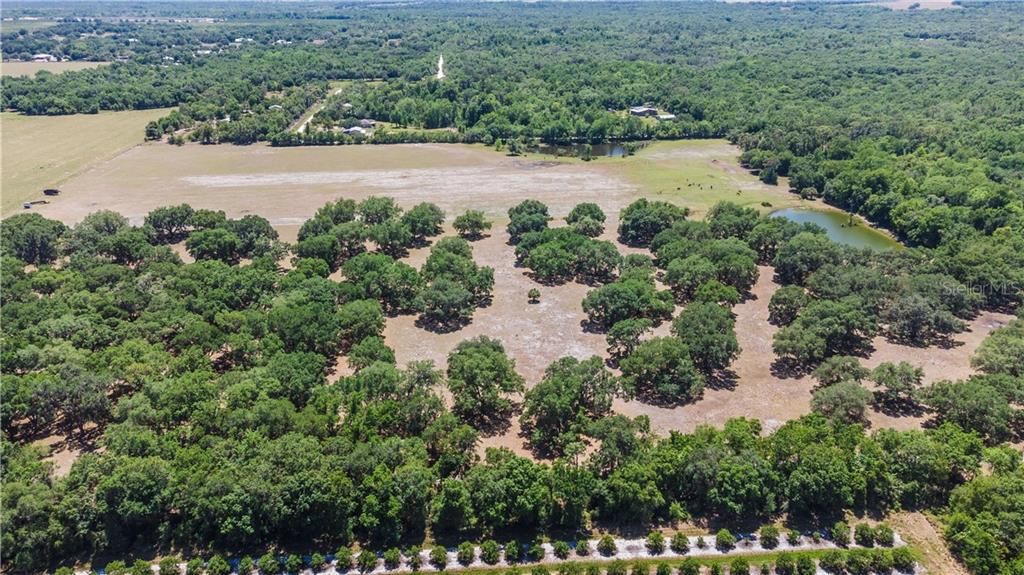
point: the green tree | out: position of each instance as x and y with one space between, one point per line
480 375
377 210
662 368
471 225
708 332
215 244
423 220
786 304
845 402
31 238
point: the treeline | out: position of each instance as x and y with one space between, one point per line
209 383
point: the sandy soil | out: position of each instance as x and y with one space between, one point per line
533 334
287 185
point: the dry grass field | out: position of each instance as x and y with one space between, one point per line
43 151
30 68
287 185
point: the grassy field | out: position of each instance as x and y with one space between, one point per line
699 174
43 151
30 68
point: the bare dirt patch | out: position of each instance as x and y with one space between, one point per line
922 534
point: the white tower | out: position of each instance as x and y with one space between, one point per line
440 67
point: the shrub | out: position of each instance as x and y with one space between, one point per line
701 544
142 567
513 552
833 561
680 543
342 559
716 569
316 563
169 566
217 566
769 536
655 543
606 546
617 567
366 561
882 561
119 567
858 562
438 557
536 551
570 568
466 553
193 567
689 566
884 535
593 570
267 564
414 559
561 549
663 569
490 552
903 560
785 565
841 534
639 569
724 540
793 537
739 566
392 558
583 547
805 566
540 570
864 535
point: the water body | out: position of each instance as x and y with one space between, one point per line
841 229
609 150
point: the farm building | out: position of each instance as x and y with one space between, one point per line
643 111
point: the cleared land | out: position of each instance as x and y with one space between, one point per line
287 185
43 151
30 68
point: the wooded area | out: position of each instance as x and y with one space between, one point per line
212 386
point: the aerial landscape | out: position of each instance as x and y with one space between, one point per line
512 288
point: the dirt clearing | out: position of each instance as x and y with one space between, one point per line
287 185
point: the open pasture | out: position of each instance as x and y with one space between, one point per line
30 68
43 151
287 185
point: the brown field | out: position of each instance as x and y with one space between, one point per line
30 68
287 185
43 151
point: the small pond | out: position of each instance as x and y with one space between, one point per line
609 150
840 228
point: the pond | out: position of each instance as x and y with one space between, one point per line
840 228
609 150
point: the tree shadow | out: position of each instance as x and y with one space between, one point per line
788 368
725 379
446 325
592 327
898 408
